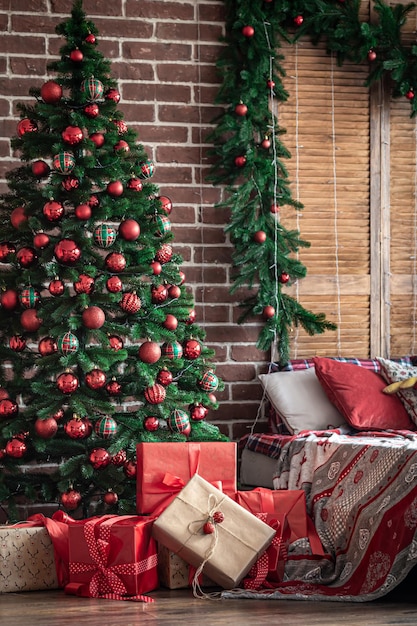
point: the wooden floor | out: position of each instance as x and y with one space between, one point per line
180 608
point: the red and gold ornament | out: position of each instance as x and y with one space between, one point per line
164 254
155 394
93 317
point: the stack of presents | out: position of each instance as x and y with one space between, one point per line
193 529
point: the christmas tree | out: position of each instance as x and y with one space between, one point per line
99 345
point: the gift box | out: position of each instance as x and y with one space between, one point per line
112 557
163 469
175 573
290 504
26 559
225 549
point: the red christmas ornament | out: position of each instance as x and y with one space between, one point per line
241 109
76 55
129 229
182 278
40 169
17 343
30 321
164 254
135 184
115 188
26 257
18 217
9 299
130 303
116 343
122 146
266 143
248 31
51 92
151 424
56 287
198 412
3 393
46 428
93 317
110 498
170 322
72 135
259 236
209 528
166 204
159 293
84 284
71 499
174 292
67 382
92 110
270 84
115 262
6 249
121 126
155 394
119 458
298 20
47 346
8 408
274 208
113 94
53 211
91 38
114 388
240 161
70 182
93 201
114 284
16 448
371 55
192 349
99 458
83 212
149 352
58 415
41 240
284 278
26 126
410 94
218 517
76 428
268 311
129 469
156 268
164 377
97 139
95 379
67 252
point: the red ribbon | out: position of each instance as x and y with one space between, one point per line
268 563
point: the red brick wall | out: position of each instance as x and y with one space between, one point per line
163 55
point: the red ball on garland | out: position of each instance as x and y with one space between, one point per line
156 268
71 499
198 412
67 252
41 240
40 169
149 352
165 377
129 469
84 284
259 236
155 394
8 408
83 212
192 349
159 293
90 38
95 379
76 55
113 387
129 229
26 126
241 109
93 317
47 346
151 423
26 257
30 321
240 161
97 139
110 498
268 311
248 31
6 249
76 428
115 343
18 217
274 208
170 322
67 382
166 204
16 448
99 458
92 110
114 284
53 211
371 55
72 135
135 184
115 262
9 299
17 343
46 428
115 188
410 94
130 303
298 20
270 84
56 287
266 143
51 92
284 277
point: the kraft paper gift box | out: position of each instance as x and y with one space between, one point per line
227 553
26 559
163 469
175 573
112 557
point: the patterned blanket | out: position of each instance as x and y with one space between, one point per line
361 492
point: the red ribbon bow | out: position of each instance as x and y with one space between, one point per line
269 561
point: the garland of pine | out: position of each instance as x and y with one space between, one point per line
249 155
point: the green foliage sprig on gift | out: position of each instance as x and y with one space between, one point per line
249 153
99 346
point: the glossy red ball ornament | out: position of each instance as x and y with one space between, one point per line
16 448
114 284
56 287
241 109
92 110
240 161
93 201
166 204
95 379
18 217
129 229
99 458
9 299
119 459
284 277
259 236
51 92
149 352
46 428
110 498
298 20
84 284
274 208
191 317
41 240
47 346
6 249
90 38
8 408
182 278
67 382
58 415
135 184
371 55
26 257
40 169
76 428
26 126
270 84
410 94
83 212
115 188
115 262
266 143
130 302
72 135
53 211
155 394
159 293
198 412
71 500
248 31
70 182
164 254
122 146
17 343
268 311
113 94
114 388
67 252
156 268
93 317
164 377
97 139
129 469
170 322
115 343
192 349
174 292
76 55
30 321
151 424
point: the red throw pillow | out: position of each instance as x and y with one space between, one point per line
357 393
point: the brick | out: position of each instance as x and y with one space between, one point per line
188 235
37 23
10 44
246 392
236 372
242 353
137 112
27 66
162 10
90 7
182 31
131 70
148 91
156 51
212 12
178 154
39 6
241 334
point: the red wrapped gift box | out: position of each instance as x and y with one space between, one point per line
163 469
112 557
